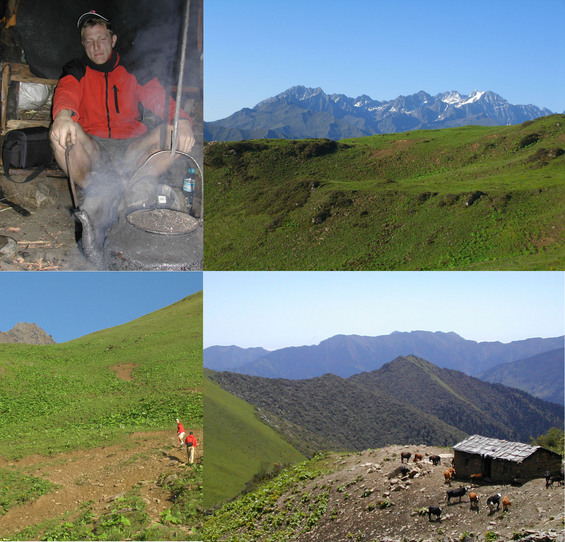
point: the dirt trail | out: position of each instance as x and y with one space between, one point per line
100 475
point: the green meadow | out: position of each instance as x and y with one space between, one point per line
469 198
75 396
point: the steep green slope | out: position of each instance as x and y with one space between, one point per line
73 395
460 198
238 446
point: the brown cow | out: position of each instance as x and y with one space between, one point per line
448 475
505 503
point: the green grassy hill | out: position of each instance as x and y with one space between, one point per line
238 446
460 198
101 390
64 396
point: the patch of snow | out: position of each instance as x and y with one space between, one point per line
452 98
473 97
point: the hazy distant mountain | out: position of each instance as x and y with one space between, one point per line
227 358
302 112
346 355
408 400
26 333
541 375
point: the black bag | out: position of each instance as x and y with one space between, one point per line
27 148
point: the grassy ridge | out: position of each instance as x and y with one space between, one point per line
60 397
461 198
238 445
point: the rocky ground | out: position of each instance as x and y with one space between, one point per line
45 240
100 475
369 501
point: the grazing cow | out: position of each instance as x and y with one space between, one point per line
418 457
474 498
405 455
435 459
452 493
476 478
493 501
505 503
434 511
448 475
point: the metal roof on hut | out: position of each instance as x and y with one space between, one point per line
496 449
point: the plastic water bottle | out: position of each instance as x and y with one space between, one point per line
188 184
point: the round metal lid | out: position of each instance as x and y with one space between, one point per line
162 221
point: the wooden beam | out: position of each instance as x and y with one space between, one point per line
21 72
17 124
4 97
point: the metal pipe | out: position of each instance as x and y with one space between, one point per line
181 77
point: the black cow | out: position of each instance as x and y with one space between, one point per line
458 492
435 459
434 511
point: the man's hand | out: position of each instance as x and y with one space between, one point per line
63 129
185 136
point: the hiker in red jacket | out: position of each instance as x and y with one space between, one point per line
96 110
190 446
180 433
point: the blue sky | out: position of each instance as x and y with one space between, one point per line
278 309
255 49
73 304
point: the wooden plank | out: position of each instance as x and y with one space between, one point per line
20 72
17 124
4 97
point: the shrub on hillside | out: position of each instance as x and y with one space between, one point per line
303 150
219 154
553 440
527 140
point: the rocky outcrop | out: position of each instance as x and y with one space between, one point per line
26 333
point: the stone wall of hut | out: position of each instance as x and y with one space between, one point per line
500 470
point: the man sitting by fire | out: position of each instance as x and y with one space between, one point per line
96 132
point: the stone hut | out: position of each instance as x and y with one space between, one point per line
503 461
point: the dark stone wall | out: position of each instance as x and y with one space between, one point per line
534 466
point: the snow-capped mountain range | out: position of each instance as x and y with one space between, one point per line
302 112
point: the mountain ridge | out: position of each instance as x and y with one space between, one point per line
407 401
540 375
345 355
303 112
